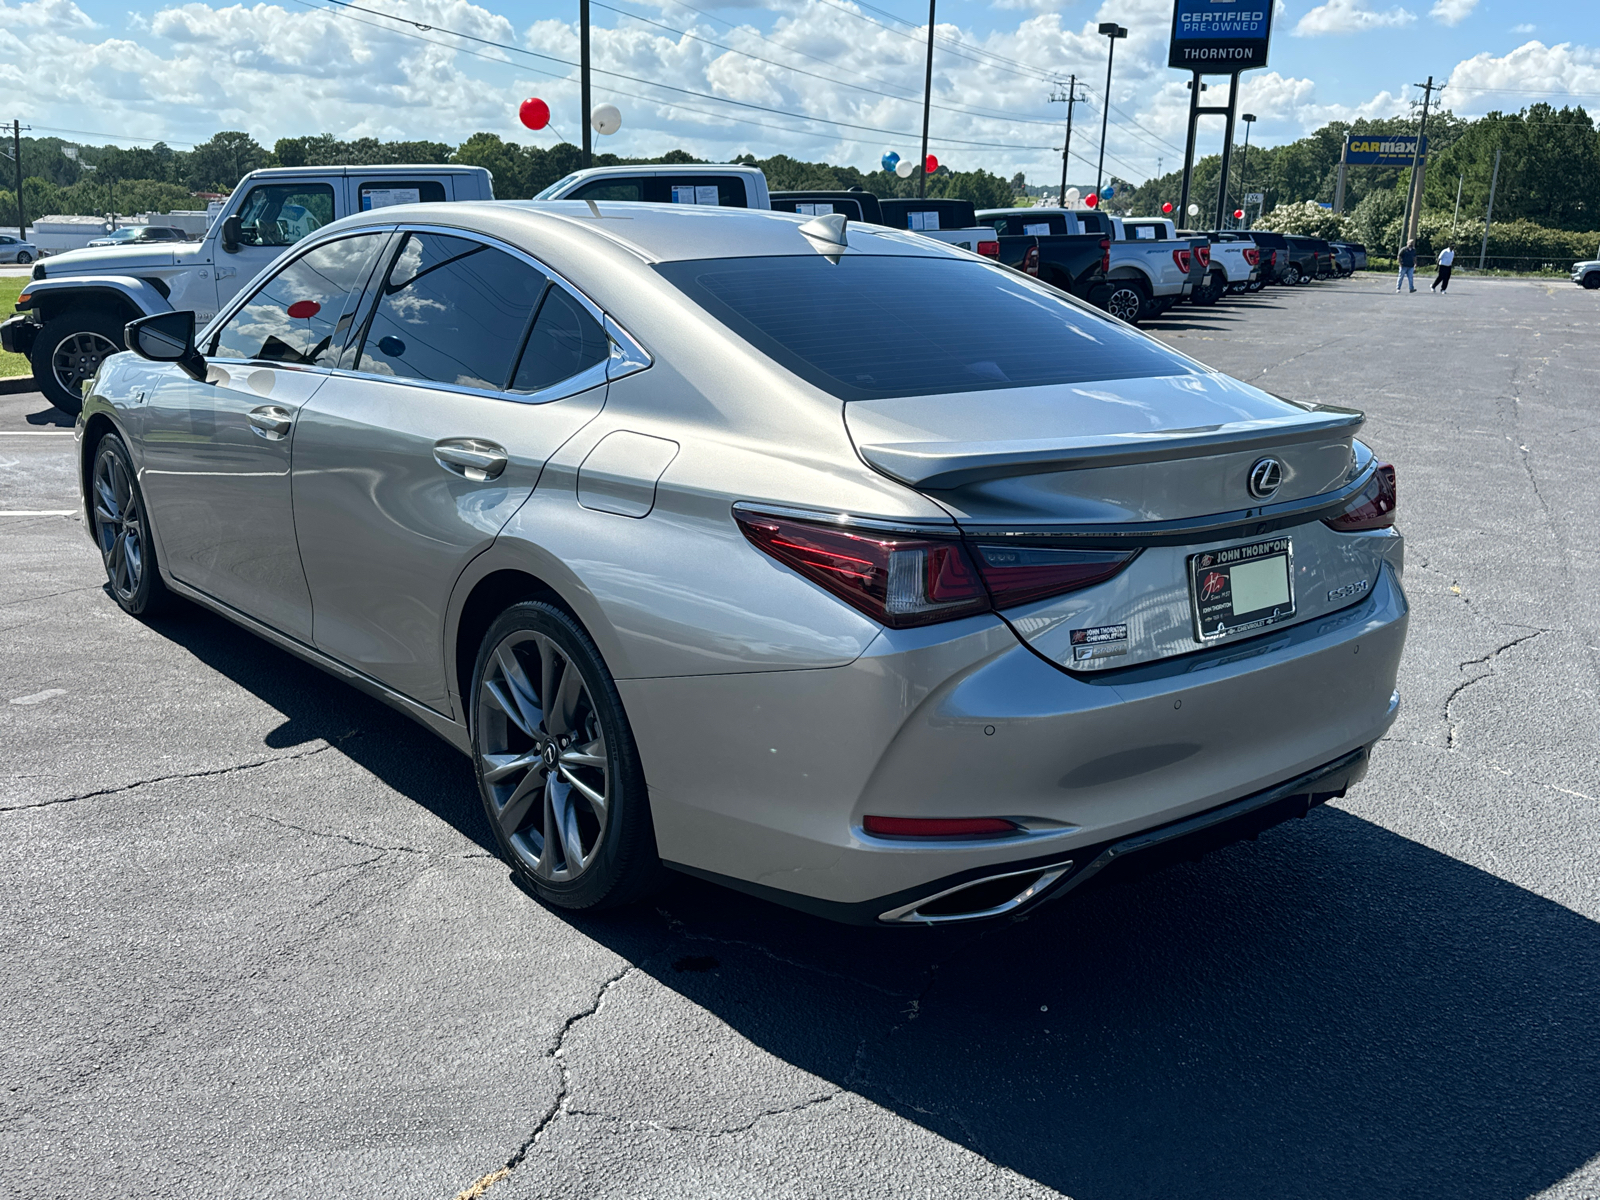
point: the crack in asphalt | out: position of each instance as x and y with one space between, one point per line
622 1123
235 769
1486 661
333 835
98 587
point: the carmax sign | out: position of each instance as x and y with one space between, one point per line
1219 37
1373 151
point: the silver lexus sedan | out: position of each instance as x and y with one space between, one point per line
821 560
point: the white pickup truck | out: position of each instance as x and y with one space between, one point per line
1151 268
1235 265
725 185
72 313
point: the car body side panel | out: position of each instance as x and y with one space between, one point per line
798 758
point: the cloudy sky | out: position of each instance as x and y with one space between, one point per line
839 80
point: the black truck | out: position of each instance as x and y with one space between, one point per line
1038 244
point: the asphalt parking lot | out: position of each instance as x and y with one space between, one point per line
256 943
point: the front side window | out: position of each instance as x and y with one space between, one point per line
280 214
451 311
301 314
875 326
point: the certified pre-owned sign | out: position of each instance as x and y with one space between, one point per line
1219 37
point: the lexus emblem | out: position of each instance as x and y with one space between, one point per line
1266 476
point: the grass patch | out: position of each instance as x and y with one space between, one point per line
10 288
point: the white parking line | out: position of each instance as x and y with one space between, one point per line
35 433
38 512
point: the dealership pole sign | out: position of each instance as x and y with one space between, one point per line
1220 37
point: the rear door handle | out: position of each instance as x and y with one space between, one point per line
271 421
471 458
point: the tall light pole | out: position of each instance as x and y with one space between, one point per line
927 102
1249 119
1111 31
583 82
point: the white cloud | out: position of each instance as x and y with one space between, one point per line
1523 28
1452 12
1531 72
1349 16
54 15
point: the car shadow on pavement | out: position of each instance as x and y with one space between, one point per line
1331 1011
316 706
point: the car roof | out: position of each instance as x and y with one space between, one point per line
649 233
396 169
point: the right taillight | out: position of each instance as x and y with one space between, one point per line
989 249
1018 575
1371 508
897 580
1252 256
1105 255
1181 257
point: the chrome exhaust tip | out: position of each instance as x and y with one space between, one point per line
990 896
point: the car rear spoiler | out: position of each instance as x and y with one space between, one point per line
943 465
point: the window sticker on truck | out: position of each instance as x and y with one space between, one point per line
820 209
922 221
1036 230
384 197
692 193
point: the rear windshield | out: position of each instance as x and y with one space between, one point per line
875 326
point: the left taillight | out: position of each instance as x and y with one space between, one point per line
989 249
1204 254
1253 257
1181 257
1105 255
898 580
1018 575
1372 508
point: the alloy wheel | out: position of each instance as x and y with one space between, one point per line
543 756
78 357
118 525
1125 304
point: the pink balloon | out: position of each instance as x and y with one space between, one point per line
534 113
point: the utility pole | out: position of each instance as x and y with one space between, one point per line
1111 31
583 84
1070 99
1414 215
1338 188
1489 214
16 149
927 103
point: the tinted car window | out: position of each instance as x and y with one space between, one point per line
302 313
610 189
280 214
876 326
452 311
564 341
385 192
928 214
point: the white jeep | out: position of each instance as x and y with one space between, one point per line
72 313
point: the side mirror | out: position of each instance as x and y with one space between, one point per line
167 337
230 234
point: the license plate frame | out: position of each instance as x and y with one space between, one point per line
1211 602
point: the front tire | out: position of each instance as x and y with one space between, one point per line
122 531
1292 276
69 350
1592 280
24 257
557 767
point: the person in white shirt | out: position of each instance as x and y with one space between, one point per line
1447 262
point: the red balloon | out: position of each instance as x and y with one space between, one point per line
303 309
1091 200
1238 214
1167 207
932 165
534 113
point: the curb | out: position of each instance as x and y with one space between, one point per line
12 385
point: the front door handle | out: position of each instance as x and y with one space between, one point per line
271 421
471 458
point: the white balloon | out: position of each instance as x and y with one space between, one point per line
1073 196
606 118
905 168
1194 210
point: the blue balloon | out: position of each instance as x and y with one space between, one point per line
890 160
1109 192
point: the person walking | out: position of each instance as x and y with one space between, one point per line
1447 262
1408 266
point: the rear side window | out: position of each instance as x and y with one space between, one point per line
565 341
384 192
451 310
301 314
631 190
726 191
876 326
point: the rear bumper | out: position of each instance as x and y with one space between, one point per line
976 724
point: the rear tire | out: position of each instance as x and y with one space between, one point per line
122 531
558 770
1127 301
24 257
69 350
1291 275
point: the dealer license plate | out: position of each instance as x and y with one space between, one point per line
1245 587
